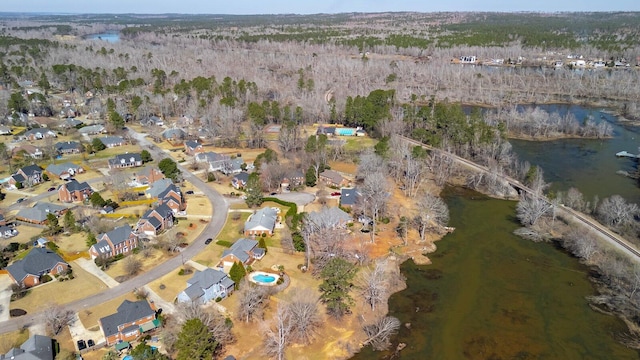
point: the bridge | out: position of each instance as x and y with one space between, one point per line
578 217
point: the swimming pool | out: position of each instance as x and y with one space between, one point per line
345 131
263 278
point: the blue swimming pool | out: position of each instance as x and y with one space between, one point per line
345 131
264 278
128 357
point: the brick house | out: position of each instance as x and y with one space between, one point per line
333 178
112 141
154 221
192 147
121 240
173 198
39 212
29 271
131 319
38 134
261 222
147 175
73 191
121 161
32 151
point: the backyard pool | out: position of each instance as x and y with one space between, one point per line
345 131
263 278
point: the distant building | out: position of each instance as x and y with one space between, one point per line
121 161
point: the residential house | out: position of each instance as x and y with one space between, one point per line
7 232
31 150
44 122
329 218
333 178
349 197
37 347
92 130
326 130
293 178
73 191
174 134
121 240
5 130
28 175
29 271
192 147
261 222
147 175
154 221
217 162
70 123
68 147
131 319
157 188
112 141
38 134
185 121
68 111
173 198
240 180
205 286
127 160
152 121
234 166
244 251
38 213
64 170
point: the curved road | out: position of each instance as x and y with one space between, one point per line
600 230
220 209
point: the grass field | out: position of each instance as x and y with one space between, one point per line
73 243
65 292
173 285
12 339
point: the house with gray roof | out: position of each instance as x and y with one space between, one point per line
174 134
28 175
205 286
5 130
68 147
240 180
121 240
329 218
111 141
63 170
261 222
92 130
73 191
349 197
38 134
128 160
234 166
152 121
37 347
29 271
131 319
244 251
158 187
156 220
333 178
38 213
217 162
192 147
71 123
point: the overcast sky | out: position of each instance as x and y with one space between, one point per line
306 6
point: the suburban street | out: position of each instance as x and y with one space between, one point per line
218 219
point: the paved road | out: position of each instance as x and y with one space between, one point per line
220 210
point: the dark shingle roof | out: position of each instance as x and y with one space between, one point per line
73 185
111 140
67 145
241 248
37 347
265 217
118 234
243 176
38 261
128 311
31 170
204 280
348 196
58 169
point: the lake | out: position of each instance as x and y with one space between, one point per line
492 295
108 37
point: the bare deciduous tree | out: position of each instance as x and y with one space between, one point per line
277 332
373 284
432 210
252 300
375 194
56 318
217 324
305 314
531 208
132 265
442 167
379 332
614 211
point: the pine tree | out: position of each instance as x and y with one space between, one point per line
237 272
195 341
262 244
91 239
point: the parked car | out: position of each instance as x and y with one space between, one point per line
90 343
336 193
208 241
81 345
51 188
19 200
189 192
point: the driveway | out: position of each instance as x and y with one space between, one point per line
5 297
79 332
93 269
300 198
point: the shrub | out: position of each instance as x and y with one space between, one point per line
264 235
23 246
46 278
224 243
181 272
218 299
385 220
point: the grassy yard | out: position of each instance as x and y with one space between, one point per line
12 339
73 243
173 284
198 205
356 143
25 233
233 229
156 257
89 317
82 286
